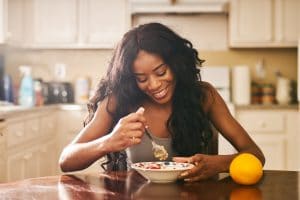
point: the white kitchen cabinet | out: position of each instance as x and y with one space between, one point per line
22 165
29 146
2 149
275 132
178 6
268 23
103 22
58 28
2 20
48 158
15 22
75 24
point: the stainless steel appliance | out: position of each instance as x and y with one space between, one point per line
58 92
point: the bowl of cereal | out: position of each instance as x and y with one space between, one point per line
161 172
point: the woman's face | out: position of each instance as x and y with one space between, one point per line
154 77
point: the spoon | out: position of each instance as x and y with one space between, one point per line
159 151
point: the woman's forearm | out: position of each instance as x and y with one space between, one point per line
225 160
79 156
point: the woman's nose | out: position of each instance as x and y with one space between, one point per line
153 84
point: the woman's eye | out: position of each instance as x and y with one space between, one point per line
141 80
161 73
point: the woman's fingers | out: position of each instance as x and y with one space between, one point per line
195 173
140 110
182 159
133 117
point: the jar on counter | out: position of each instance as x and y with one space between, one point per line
255 93
283 91
268 94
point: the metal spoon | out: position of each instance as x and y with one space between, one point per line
159 151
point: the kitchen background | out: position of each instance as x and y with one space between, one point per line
93 63
77 43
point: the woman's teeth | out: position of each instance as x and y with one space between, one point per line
160 94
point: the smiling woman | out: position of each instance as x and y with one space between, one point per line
156 69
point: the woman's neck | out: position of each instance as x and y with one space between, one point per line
157 107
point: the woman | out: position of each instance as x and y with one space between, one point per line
154 70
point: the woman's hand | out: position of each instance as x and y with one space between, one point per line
206 166
128 131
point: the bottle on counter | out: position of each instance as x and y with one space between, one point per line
26 89
8 89
38 91
82 90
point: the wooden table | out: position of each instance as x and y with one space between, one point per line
130 185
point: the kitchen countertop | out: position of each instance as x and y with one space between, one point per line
130 185
8 111
268 107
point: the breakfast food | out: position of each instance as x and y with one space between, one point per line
161 165
160 152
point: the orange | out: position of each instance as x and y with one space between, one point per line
246 169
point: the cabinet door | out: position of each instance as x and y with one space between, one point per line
22 165
2 23
55 21
48 125
48 159
274 149
2 153
103 22
250 22
286 21
15 21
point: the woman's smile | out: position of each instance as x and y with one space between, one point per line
154 77
160 94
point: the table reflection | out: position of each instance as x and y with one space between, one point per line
133 186
101 186
130 185
246 192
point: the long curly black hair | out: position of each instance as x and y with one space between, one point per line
188 124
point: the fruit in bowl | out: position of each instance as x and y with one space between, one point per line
161 172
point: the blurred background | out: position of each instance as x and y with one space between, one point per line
54 52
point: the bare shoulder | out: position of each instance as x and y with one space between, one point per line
210 95
106 107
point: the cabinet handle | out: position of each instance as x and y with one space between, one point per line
19 133
27 156
8 35
34 128
50 125
263 124
43 150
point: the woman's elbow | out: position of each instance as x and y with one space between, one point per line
63 163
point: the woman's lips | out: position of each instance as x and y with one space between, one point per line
161 94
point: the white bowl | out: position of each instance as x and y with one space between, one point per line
161 172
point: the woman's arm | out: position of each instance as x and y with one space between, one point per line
219 114
95 140
225 123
